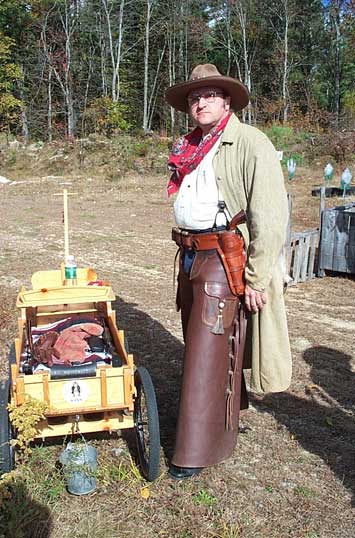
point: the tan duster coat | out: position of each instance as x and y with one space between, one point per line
249 177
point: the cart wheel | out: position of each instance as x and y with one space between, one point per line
7 455
146 424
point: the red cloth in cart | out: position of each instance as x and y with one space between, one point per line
43 347
67 346
71 344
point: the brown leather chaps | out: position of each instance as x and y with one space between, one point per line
213 388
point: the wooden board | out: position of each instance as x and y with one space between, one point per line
301 255
110 421
108 390
64 295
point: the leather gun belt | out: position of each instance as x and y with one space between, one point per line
201 241
230 247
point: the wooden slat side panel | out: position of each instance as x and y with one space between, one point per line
113 421
103 387
74 394
20 390
128 388
18 349
301 255
119 344
305 259
45 384
312 255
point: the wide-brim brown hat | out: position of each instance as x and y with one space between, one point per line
207 75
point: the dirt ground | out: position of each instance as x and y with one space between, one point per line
292 473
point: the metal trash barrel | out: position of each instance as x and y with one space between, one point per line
79 462
337 239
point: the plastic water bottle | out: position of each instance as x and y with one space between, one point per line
70 271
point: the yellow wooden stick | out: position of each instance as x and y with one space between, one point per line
66 229
65 195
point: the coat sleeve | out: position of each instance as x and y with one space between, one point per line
267 210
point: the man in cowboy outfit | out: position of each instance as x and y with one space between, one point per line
219 169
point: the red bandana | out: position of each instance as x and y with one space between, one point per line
188 152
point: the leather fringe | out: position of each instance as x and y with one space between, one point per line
236 351
229 391
218 326
229 410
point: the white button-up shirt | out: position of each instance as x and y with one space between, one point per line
196 205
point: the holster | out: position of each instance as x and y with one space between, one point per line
229 245
233 257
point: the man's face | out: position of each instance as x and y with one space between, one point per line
208 106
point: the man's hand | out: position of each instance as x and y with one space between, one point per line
254 300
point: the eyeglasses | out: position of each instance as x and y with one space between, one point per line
208 96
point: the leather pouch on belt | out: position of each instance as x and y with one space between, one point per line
218 307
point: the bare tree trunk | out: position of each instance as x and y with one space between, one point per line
115 48
119 47
242 16
87 90
24 124
285 17
186 51
70 112
285 66
181 41
152 98
228 35
64 80
172 77
102 57
49 114
146 64
23 115
83 115
186 68
109 31
68 27
335 10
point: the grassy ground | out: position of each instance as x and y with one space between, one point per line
292 473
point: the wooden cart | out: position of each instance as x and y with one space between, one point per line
90 398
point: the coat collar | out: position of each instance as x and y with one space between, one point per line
228 136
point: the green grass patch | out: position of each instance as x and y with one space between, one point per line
304 491
110 473
204 498
297 157
283 137
150 267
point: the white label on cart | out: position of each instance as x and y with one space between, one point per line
76 391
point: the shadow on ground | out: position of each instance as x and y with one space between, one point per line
161 353
323 423
20 515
